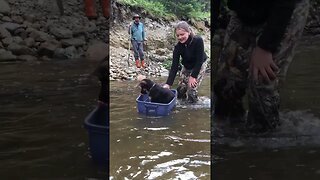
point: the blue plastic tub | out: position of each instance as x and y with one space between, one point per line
97 125
155 109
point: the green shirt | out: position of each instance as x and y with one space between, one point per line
137 32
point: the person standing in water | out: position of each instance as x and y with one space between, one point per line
190 48
257 51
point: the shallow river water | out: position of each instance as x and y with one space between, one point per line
42 110
172 147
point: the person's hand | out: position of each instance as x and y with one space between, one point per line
192 82
262 63
166 86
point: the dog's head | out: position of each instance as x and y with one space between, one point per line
145 84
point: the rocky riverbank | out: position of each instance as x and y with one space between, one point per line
34 30
158 47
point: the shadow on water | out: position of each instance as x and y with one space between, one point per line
42 111
172 147
293 151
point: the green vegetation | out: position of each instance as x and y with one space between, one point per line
154 7
197 9
167 63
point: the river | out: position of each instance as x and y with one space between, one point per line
172 147
43 106
293 152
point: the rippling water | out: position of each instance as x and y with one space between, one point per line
42 108
293 152
172 147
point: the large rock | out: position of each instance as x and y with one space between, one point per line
6 19
36 26
17 19
157 43
30 29
21 32
7 41
198 24
11 27
161 52
4 7
30 18
71 52
17 49
4 33
60 53
27 24
17 39
73 42
7 56
91 27
30 42
79 30
47 48
60 32
39 36
97 51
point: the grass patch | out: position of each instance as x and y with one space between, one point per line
167 63
197 15
153 7
169 8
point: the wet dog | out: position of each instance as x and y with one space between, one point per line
157 93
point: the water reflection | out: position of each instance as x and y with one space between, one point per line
42 108
172 147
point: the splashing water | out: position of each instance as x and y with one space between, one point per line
298 128
202 103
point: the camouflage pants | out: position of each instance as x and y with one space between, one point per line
186 92
234 79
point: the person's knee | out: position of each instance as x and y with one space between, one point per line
182 90
263 89
192 95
